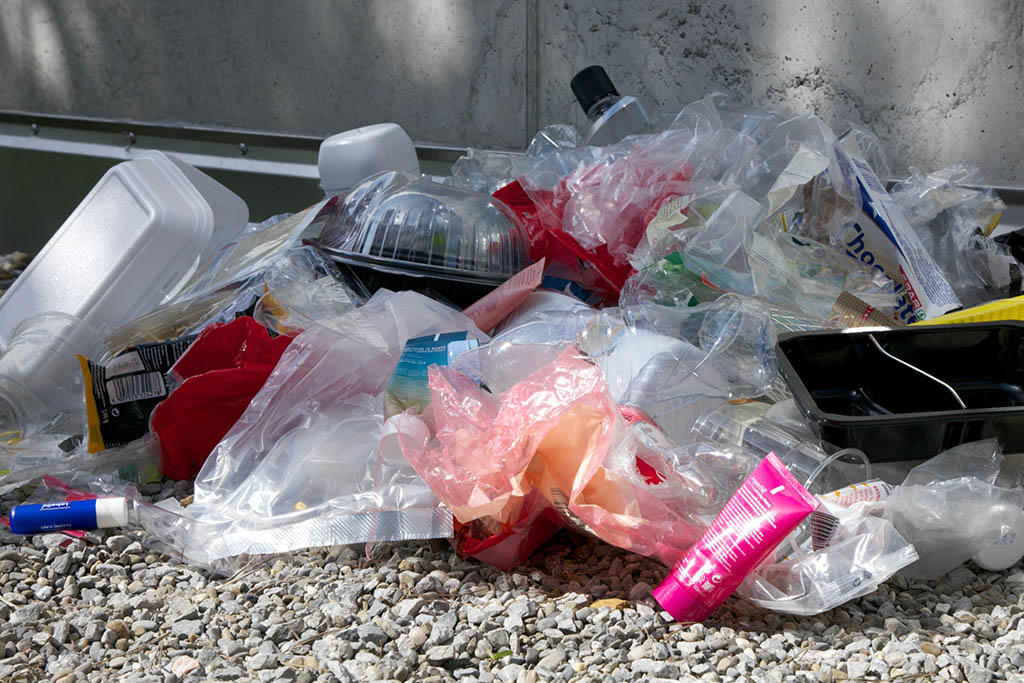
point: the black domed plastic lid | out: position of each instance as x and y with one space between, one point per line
590 85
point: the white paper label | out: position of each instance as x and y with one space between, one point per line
123 364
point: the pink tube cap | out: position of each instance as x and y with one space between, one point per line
679 601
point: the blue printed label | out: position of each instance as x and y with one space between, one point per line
569 287
409 387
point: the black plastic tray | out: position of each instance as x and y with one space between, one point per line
459 294
856 397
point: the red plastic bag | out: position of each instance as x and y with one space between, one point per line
221 372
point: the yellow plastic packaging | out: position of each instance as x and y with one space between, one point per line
1003 309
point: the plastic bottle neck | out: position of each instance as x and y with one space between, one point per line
601 106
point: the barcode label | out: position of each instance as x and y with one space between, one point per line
869 177
135 387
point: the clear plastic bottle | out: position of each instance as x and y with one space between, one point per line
745 425
613 117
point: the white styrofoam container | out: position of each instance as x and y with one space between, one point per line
230 213
133 238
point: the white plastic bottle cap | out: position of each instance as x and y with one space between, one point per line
1006 551
111 512
348 158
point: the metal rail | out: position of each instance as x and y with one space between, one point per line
248 151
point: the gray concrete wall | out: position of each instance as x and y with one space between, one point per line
938 80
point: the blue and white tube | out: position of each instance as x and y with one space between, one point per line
80 515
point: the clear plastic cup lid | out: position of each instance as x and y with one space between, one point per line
401 223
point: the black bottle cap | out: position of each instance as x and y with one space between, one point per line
590 85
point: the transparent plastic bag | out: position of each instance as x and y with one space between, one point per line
488 170
714 144
724 240
539 302
799 281
605 197
311 462
295 306
953 217
864 552
754 122
809 277
251 253
180 318
950 507
847 206
294 271
668 282
864 144
680 216
722 244
34 458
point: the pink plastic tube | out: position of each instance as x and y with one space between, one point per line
762 512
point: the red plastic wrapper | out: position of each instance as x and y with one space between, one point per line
606 206
593 219
220 374
595 270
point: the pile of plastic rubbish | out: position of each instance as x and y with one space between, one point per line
716 339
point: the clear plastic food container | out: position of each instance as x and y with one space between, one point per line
399 223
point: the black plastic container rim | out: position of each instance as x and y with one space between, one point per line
809 406
397 267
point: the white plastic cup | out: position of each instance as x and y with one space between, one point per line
346 159
40 376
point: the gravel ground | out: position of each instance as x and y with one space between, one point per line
11 266
108 609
